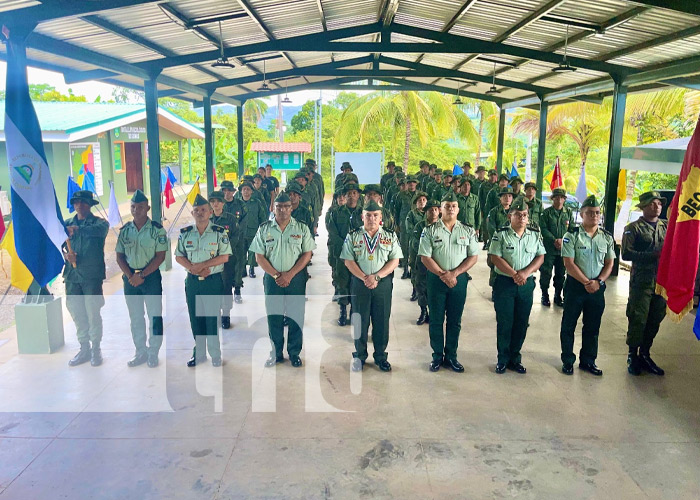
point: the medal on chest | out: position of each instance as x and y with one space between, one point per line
371 244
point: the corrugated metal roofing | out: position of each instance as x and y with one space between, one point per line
67 116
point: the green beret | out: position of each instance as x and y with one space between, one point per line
480 168
519 204
450 196
300 175
200 200
646 198
506 190
418 195
351 186
516 178
216 195
557 192
411 178
432 204
139 197
372 206
503 177
294 187
530 185
590 202
283 198
228 185
372 187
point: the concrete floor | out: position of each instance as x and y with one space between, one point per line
321 432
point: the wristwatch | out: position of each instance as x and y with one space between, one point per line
376 277
274 277
601 283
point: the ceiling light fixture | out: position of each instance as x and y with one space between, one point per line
493 89
286 99
564 66
222 62
457 101
264 87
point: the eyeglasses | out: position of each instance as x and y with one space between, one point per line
590 213
520 215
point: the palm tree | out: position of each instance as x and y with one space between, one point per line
254 110
487 111
429 115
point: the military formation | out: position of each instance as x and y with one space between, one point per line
432 225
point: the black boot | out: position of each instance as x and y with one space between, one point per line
96 358
83 355
414 295
237 296
423 318
558 301
225 322
251 273
545 299
646 363
633 364
343 318
406 273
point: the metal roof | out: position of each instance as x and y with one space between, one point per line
281 147
416 44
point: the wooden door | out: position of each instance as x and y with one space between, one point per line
134 166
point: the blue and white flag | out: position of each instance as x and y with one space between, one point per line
36 215
581 189
171 176
514 170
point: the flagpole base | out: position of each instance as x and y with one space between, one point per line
39 327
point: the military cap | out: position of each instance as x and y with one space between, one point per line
351 178
480 168
557 192
372 206
228 185
423 162
372 187
447 172
339 190
199 200
432 204
402 180
450 196
398 169
246 184
283 198
391 164
299 175
346 165
351 186
590 202
503 177
505 190
257 176
216 195
248 177
294 187
516 178
411 178
310 161
85 197
493 171
519 204
399 173
646 198
139 197
433 166
530 185
418 195
456 178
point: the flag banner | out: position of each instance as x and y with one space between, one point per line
194 192
20 277
168 193
622 185
88 182
163 180
581 189
171 176
38 226
557 181
2 225
457 170
72 188
216 182
513 170
678 264
113 216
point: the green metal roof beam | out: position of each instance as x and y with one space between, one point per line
56 9
685 6
654 42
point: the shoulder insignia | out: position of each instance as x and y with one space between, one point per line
573 230
356 230
156 224
503 228
605 231
186 229
218 229
534 229
125 226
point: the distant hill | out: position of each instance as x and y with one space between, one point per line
287 113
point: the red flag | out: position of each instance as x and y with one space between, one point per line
215 181
2 225
557 181
675 279
168 194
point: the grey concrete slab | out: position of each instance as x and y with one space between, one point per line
15 455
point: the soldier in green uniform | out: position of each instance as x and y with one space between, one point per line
478 181
641 244
554 223
373 192
83 274
483 193
498 218
345 169
334 243
315 191
203 249
443 187
469 207
230 223
271 182
423 175
283 248
316 179
386 178
448 250
299 212
254 214
234 206
414 217
467 169
258 186
338 229
517 252
435 183
589 254
534 205
371 253
517 184
493 200
402 205
418 270
393 189
308 196
255 194
140 249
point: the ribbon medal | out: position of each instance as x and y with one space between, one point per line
371 244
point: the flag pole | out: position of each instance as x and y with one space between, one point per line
104 211
179 212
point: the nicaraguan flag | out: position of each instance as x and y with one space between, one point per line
38 226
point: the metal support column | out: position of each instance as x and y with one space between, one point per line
541 146
617 125
501 139
208 145
153 137
241 149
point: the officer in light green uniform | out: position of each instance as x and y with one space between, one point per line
448 250
371 253
414 217
469 207
254 214
589 254
534 205
83 275
642 242
555 221
203 249
140 249
299 211
517 252
418 271
283 248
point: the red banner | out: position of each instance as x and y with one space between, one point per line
679 257
557 181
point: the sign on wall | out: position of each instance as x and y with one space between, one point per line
86 160
367 166
280 161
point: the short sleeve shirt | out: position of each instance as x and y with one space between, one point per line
140 246
202 247
282 248
271 183
448 249
517 251
589 254
371 254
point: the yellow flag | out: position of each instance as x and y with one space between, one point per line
20 277
622 185
193 193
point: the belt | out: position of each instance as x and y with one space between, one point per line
200 278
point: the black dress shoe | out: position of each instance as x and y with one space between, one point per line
423 318
384 365
193 361
516 367
435 365
500 368
137 360
272 361
152 360
545 300
225 322
454 364
96 359
590 368
251 273
646 363
357 365
295 360
216 362
237 298
558 301
567 369
83 356
414 295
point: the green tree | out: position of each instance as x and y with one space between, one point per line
254 110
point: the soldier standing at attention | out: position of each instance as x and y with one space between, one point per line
334 242
203 249
534 205
141 248
254 214
517 184
641 244
415 216
448 250
424 174
234 206
554 223
469 208
516 252
345 169
384 181
478 181
260 188
271 182
403 207
498 218
228 276
435 184
418 271
83 274
371 254
589 253
299 211
283 247
373 192
492 200
483 193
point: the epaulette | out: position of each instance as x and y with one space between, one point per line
218 229
467 224
534 228
502 228
389 231
157 225
605 231
125 225
573 230
186 229
357 229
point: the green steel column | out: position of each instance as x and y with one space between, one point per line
617 125
208 143
189 158
239 126
501 139
541 146
153 137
